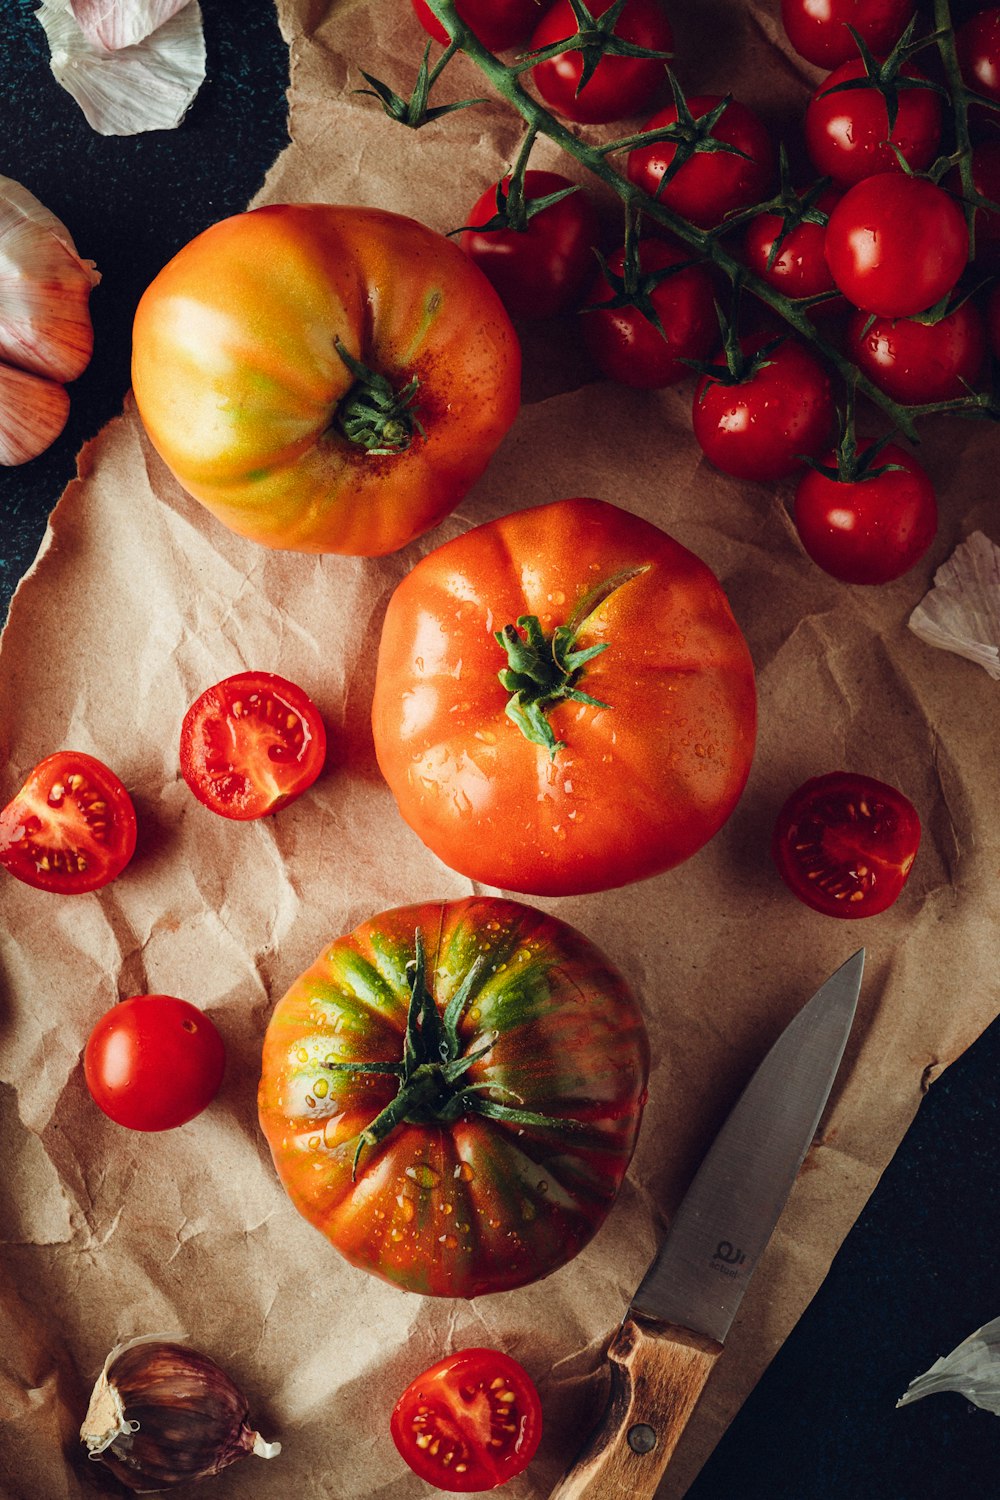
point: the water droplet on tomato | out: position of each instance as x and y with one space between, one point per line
423 1175
464 1171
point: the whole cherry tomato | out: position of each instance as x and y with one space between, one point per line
619 85
985 166
452 1094
917 362
325 379
798 267
710 184
563 700
626 346
498 24
540 270
871 529
759 426
71 828
470 1422
251 744
896 244
977 42
154 1062
818 29
845 844
847 132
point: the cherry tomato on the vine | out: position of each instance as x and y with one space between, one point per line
498 24
872 529
896 244
818 29
541 270
761 427
799 267
154 1062
977 42
917 362
710 184
470 1422
251 744
71 828
847 132
619 85
985 167
845 843
623 342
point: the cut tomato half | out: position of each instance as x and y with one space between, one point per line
71 828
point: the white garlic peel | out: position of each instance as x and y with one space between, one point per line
147 86
973 1370
962 611
122 23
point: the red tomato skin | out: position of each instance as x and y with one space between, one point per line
977 42
627 347
985 164
620 85
916 362
269 774
153 1062
441 1387
817 29
896 245
498 24
714 183
847 134
98 826
541 271
859 835
868 531
993 321
760 429
799 269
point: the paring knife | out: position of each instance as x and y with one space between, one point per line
677 1322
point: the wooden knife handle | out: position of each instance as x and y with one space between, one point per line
658 1372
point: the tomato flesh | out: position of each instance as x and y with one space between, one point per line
71 828
470 1422
153 1062
251 744
844 844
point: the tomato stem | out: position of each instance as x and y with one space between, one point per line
373 414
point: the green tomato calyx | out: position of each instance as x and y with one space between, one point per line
373 414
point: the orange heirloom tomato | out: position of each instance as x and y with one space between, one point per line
324 378
563 701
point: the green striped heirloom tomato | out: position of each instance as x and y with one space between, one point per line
563 700
325 378
452 1094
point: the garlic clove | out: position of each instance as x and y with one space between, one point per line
972 1370
113 24
33 412
148 86
961 613
45 289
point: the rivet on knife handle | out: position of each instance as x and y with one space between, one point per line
658 1372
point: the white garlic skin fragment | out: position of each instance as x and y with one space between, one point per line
33 412
113 24
45 289
961 613
972 1370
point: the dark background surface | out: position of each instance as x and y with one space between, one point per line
919 1270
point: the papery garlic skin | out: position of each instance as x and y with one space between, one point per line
972 1370
45 289
33 412
113 24
962 611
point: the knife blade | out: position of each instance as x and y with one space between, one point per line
676 1324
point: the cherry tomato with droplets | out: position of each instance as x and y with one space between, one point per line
626 346
619 85
896 245
71 828
847 132
977 42
916 362
818 29
798 268
251 744
871 529
154 1062
710 184
845 844
498 24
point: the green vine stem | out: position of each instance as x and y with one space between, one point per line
708 245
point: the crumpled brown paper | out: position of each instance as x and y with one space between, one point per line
139 600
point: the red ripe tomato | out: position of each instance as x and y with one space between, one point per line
539 271
845 843
71 827
563 701
818 29
154 1062
498 24
993 321
619 85
896 245
918 362
761 426
710 184
251 744
623 342
985 165
799 268
470 1422
847 134
977 41
452 1094
871 529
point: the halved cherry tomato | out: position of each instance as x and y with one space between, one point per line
918 362
154 1062
818 29
896 244
845 843
498 24
619 85
71 827
251 744
470 1422
847 130
871 529
710 184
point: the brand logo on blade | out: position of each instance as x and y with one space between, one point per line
727 1259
